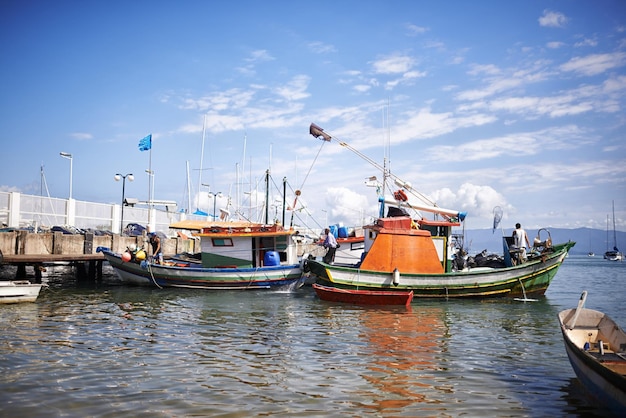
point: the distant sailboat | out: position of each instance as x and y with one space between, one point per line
614 254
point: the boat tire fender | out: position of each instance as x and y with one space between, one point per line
304 263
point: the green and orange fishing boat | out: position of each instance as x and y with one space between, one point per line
410 252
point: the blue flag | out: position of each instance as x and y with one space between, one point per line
145 143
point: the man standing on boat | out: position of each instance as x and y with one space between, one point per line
519 238
330 243
157 253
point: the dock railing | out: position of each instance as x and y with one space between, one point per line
19 210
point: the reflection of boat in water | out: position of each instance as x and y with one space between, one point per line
596 348
404 354
404 252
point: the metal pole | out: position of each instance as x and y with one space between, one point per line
71 158
117 177
123 192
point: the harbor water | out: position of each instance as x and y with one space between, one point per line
108 350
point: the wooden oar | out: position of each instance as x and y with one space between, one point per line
579 308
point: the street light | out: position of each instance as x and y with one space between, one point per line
215 196
69 157
117 177
150 193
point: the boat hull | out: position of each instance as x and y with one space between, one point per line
363 297
602 374
19 291
528 279
189 276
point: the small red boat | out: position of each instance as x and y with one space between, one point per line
364 297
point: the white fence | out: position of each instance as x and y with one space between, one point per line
19 210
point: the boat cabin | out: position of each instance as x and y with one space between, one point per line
401 243
244 245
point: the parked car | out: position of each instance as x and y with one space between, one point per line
133 230
66 229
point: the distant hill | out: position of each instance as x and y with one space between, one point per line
587 239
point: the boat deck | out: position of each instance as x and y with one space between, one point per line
611 360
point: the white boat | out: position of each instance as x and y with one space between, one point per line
17 291
596 347
614 254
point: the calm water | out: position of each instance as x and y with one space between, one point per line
116 351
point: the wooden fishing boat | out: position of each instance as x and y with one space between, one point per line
596 348
18 291
234 255
363 297
414 253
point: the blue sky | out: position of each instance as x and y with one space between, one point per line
477 104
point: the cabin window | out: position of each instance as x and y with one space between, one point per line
222 242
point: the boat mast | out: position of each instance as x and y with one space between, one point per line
614 233
201 161
267 196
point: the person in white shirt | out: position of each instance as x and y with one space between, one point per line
330 243
520 242
520 236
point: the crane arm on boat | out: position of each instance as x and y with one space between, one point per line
428 206
433 209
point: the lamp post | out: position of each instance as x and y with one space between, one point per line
117 177
69 157
215 196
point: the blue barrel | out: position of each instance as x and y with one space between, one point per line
271 258
343 232
333 230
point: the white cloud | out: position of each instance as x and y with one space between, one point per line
595 64
416 30
260 55
321 48
295 89
81 136
509 146
555 44
552 19
478 200
586 42
346 206
394 64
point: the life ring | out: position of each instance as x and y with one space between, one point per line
401 196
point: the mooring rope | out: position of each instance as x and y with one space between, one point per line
152 276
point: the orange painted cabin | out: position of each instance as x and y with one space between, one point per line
393 243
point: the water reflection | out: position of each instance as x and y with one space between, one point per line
403 353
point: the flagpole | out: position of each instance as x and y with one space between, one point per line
150 186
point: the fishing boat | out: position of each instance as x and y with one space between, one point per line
404 252
596 348
363 297
233 255
18 291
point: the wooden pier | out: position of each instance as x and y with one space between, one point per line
22 249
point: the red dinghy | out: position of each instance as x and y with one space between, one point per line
364 297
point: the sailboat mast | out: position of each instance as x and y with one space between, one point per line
188 190
201 160
614 233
